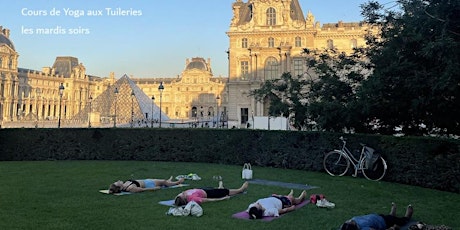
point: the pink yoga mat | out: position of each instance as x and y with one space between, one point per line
245 215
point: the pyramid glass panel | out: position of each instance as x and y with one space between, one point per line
110 105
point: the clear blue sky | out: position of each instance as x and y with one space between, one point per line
155 44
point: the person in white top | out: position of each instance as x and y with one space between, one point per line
275 205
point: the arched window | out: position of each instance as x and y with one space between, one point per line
330 44
244 43
271 68
298 42
354 43
271 42
271 16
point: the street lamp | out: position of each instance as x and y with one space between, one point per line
115 116
161 88
37 102
89 116
61 91
217 100
132 108
151 115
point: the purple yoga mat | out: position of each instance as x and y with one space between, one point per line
245 215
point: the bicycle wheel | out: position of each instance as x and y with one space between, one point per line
336 163
376 171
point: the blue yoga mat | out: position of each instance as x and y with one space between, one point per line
282 184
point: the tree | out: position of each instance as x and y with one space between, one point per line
333 88
416 69
286 97
321 99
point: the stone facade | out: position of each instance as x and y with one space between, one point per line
266 39
195 95
32 95
9 81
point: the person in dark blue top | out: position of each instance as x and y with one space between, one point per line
378 221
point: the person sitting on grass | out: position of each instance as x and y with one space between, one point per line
379 222
275 205
134 186
200 195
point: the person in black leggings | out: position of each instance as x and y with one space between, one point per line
379 221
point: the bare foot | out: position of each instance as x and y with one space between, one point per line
393 209
291 193
244 186
409 211
303 195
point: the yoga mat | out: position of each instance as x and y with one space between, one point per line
282 184
171 202
106 191
245 215
167 202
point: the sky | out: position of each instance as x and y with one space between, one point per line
153 41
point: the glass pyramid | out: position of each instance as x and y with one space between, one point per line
130 97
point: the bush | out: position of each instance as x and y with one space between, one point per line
422 161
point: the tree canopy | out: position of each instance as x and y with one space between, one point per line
406 80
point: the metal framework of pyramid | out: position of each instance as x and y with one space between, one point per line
110 105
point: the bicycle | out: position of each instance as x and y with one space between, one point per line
372 165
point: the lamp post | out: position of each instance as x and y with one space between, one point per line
61 91
217 100
115 116
161 88
151 115
37 102
90 111
132 108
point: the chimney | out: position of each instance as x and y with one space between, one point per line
6 32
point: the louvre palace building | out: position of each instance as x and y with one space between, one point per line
266 39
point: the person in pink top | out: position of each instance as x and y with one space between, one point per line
200 195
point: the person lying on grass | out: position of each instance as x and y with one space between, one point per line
379 222
200 195
275 205
142 185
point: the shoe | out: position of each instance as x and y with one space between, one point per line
180 177
323 203
195 177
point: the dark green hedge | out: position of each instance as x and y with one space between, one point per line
421 161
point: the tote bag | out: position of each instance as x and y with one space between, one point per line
246 174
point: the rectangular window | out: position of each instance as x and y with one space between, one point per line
244 43
271 42
244 115
244 70
298 42
298 67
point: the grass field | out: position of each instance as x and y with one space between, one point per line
64 195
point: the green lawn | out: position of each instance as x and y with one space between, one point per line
64 195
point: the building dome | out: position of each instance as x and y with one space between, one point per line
197 63
4 40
